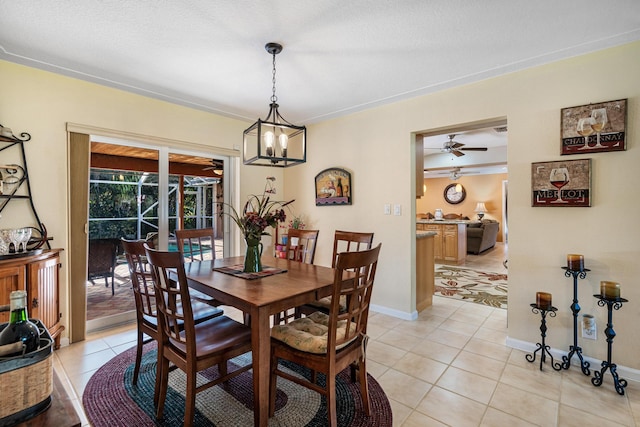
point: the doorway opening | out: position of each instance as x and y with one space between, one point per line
127 200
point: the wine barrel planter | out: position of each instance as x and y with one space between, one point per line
26 381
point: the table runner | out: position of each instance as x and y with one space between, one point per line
237 270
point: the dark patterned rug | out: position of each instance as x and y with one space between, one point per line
470 285
111 400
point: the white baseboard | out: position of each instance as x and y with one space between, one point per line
395 313
628 374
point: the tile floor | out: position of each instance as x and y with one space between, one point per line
448 368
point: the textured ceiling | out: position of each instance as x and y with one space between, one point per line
339 56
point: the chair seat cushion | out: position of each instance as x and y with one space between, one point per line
309 334
325 303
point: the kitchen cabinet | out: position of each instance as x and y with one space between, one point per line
449 242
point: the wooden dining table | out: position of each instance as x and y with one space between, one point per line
261 298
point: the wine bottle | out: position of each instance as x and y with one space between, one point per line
339 191
19 327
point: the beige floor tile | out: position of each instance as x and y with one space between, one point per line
545 383
436 351
481 365
496 324
468 384
495 418
80 381
384 353
128 336
420 367
403 388
488 349
400 412
491 335
77 405
525 405
451 408
383 320
398 339
416 328
416 419
578 392
375 369
74 365
572 417
463 328
464 314
452 339
375 331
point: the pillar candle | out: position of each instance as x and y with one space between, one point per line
543 300
610 290
575 262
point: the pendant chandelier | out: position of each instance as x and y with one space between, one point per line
274 141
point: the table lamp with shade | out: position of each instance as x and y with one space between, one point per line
480 210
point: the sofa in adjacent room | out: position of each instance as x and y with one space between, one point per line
482 235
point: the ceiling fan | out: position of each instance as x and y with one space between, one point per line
456 148
216 166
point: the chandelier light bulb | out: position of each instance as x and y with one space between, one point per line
284 140
269 139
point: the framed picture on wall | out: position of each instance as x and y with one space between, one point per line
333 187
594 128
564 183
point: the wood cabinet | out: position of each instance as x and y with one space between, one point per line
450 241
425 274
39 276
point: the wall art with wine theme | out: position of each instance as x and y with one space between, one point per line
594 128
333 187
564 183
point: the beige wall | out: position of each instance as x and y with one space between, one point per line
376 145
479 188
42 103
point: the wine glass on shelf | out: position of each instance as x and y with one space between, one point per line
14 237
599 116
25 236
585 128
559 178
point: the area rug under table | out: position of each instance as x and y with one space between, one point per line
480 287
111 400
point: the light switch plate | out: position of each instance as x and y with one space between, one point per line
397 210
387 209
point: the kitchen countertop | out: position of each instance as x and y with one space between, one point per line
444 221
422 234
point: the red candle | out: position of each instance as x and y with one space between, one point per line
609 290
543 300
575 262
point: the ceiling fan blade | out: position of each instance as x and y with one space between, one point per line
457 153
456 145
474 149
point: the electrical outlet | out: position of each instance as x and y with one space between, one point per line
589 330
387 209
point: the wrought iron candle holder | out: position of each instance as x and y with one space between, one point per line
542 347
612 304
575 349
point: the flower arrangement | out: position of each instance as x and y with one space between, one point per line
259 212
297 223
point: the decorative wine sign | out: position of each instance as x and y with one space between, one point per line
594 128
333 187
566 183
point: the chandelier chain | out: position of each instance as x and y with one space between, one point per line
274 98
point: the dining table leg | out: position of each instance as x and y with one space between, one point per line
261 354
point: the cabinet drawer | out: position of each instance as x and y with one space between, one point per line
452 228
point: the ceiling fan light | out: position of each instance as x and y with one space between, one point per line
458 188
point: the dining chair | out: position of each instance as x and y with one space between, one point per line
301 247
194 243
191 347
329 343
343 241
145 299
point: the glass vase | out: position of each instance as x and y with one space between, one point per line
252 263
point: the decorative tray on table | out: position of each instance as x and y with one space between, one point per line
21 254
